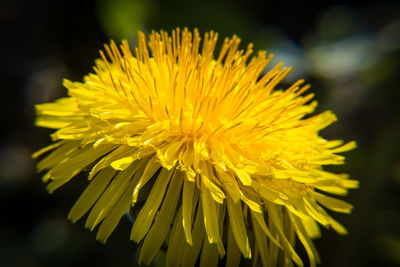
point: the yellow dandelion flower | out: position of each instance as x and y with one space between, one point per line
221 152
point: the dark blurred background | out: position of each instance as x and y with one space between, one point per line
348 52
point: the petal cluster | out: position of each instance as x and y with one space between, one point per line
202 147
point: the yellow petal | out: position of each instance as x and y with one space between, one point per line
91 194
209 255
155 237
57 155
168 155
270 194
258 218
315 211
206 178
70 167
119 152
305 240
234 192
151 168
188 208
261 243
210 216
346 147
176 244
114 216
233 253
243 176
311 227
122 164
238 228
333 203
53 122
338 227
65 106
147 213
110 197
190 253
278 223
47 149
80 159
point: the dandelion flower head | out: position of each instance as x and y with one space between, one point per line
207 145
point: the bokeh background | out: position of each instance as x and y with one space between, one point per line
348 52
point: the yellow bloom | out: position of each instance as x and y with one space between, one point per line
220 151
